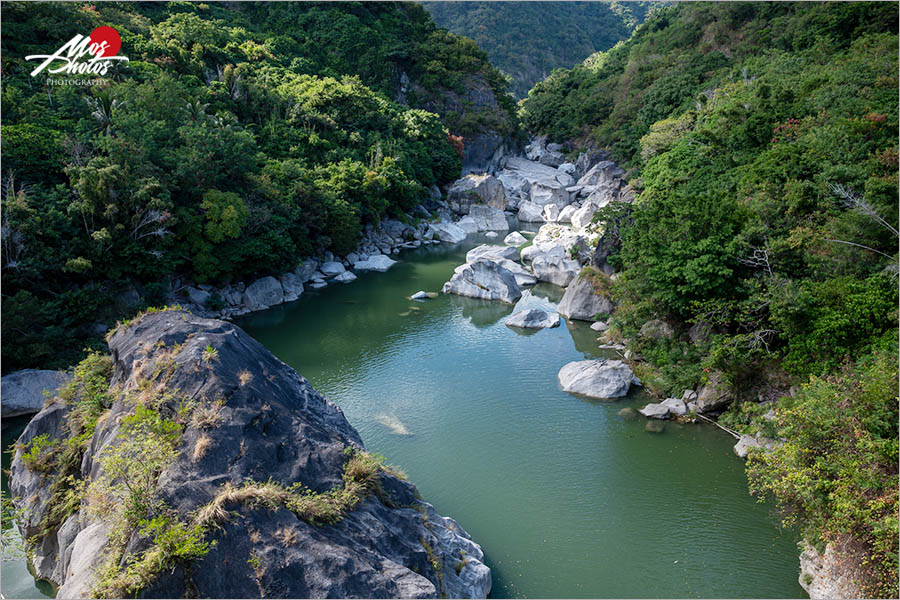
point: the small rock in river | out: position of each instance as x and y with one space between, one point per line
628 413
655 427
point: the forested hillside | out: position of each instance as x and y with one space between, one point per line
762 141
237 139
527 40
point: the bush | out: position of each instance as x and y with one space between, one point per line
836 472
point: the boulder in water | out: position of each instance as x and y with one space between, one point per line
515 239
378 262
533 319
583 301
263 293
597 378
484 279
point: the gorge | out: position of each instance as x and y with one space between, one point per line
299 279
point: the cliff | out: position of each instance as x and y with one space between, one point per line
193 462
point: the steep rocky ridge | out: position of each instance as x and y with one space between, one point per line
263 469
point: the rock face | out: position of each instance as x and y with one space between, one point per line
533 319
23 391
476 189
262 425
715 395
488 218
831 575
449 232
581 301
529 212
484 279
749 443
555 269
596 378
263 293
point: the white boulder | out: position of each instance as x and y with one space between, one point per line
597 378
484 279
515 239
533 319
378 262
488 218
555 269
581 301
529 212
332 268
492 253
345 277
449 232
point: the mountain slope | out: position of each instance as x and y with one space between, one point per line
762 143
528 40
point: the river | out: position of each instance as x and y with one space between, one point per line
567 498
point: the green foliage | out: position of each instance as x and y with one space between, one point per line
836 474
529 40
827 322
173 543
38 452
233 143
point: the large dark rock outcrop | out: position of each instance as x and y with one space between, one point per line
254 421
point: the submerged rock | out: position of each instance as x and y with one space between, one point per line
628 413
655 427
247 429
23 391
533 319
597 378
484 279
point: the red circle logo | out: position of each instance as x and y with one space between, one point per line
110 36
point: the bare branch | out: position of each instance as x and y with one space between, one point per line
858 203
860 246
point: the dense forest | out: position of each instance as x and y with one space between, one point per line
237 139
528 40
762 139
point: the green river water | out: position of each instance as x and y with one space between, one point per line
566 498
